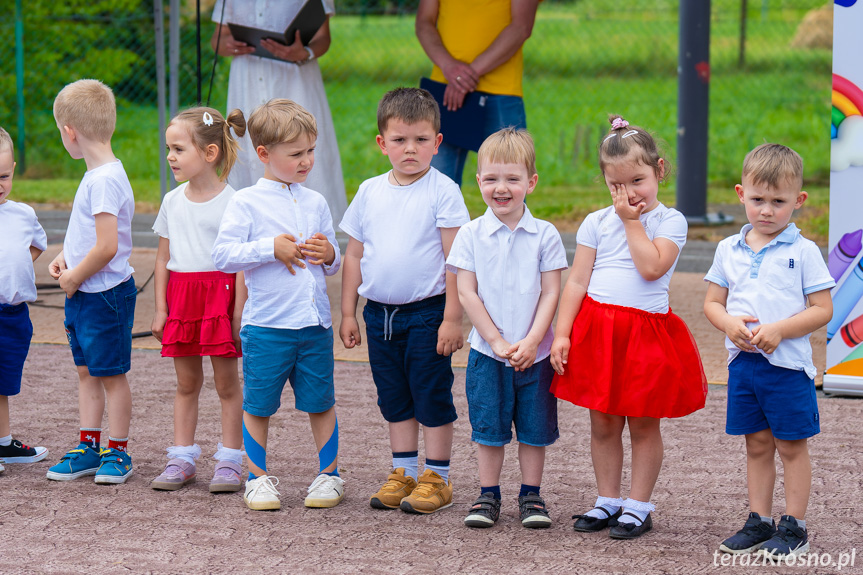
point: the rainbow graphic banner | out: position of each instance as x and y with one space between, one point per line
845 260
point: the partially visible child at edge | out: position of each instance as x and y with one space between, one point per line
94 271
618 348
198 308
281 235
24 242
508 370
768 290
401 226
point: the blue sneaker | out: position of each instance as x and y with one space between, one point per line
753 535
116 467
790 539
81 461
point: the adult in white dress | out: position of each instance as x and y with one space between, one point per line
295 75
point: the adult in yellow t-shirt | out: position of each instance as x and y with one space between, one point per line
476 45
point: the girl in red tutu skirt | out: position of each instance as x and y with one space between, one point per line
198 309
618 349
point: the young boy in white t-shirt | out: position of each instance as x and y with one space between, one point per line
25 241
93 269
401 226
508 265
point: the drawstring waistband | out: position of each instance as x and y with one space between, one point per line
388 323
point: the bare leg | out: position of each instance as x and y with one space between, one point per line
190 379
323 425
798 475
490 463
531 460
647 453
404 435
258 428
438 441
606 451
231 396
4 416
119 404
761 471
91 399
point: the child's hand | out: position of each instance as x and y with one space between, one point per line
766 337
559 353
158 325
501 348
68 283
318 250
522 354
57 266
450 338
620 199
738 333
288 252
236 324
349 331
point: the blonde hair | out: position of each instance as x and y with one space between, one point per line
623 139
88 106
411 105
774 165
279 121
508 146
207 127
6 141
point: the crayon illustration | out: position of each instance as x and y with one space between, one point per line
843 253
845 298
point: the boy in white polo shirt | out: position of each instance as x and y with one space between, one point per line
280 234
401 226
769 289
508 265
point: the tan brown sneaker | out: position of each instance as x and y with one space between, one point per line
397 487
431 493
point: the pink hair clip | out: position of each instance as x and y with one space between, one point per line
619 123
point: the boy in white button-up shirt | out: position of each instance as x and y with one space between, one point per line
508 265
769 289
281 235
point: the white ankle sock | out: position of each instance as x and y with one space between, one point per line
639 509
610 504
188 453
4 441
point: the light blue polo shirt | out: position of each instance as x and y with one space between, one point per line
771 285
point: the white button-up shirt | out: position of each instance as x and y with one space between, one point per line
508 265
246 242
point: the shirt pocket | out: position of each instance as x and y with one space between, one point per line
529 278
782 273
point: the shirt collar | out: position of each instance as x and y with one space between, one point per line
274 185
787 236
492 224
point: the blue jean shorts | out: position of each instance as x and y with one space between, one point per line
99 329
498 396
764 396
15 334
272 357
412 379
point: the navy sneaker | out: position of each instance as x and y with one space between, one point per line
484 511
754 533
81 461
789 539
17 452
532 511
115 467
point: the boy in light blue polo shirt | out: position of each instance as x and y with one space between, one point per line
769 289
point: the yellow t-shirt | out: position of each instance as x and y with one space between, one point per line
467 28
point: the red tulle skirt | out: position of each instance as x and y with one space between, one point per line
625 361
200 310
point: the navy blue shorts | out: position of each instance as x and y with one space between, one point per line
764 396
15 334
99 328
412 379
498 396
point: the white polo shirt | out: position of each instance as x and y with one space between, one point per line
246 242
403 259
508 265
771 285
21 229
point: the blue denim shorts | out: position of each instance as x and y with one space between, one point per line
412 379
99 328
762 396
274 356
498 396
15 334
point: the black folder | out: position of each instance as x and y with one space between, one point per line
308 21
464 128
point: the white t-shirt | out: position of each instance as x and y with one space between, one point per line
615 280
103 190
403 259
508 265
771 285
21 230
191 227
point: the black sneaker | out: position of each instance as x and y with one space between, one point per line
17 452
531 509
789 539
754 533
484 512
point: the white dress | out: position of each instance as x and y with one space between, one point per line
254 81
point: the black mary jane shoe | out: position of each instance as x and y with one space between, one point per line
590 524
631 530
